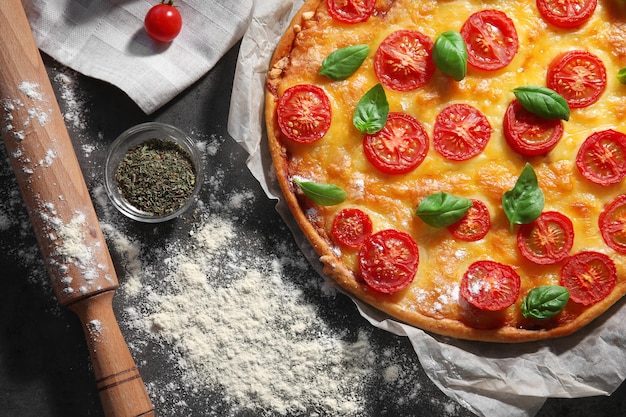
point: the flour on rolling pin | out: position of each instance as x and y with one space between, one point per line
74 251
73 242
34 112
31 90
95 330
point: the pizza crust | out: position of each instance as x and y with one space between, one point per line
334 267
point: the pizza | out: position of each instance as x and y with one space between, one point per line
459 165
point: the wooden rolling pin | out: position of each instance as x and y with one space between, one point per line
61 211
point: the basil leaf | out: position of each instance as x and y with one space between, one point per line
322 194
524 203
450 54
344 62
544 302
621 75
442 209
543 102
371 111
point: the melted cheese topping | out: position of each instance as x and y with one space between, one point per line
390 200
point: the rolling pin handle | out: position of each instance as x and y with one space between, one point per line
122 391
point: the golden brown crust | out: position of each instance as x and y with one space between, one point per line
278 63
343 275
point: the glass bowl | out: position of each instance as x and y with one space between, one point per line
156 137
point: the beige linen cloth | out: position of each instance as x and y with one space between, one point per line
105 39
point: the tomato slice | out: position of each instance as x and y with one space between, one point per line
589 276
529 134
304 113
578 76
602 157
389 260
403 60
566 13
350 11
399 147
612 222
548 239
351 227
461 132
474 225
490 285
491 40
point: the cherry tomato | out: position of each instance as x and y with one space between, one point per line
547 240
163 22
578 76
529 134
304 113
490 285
566 13
389 260
491 40
461 132
474 225
612 224
602 157
589 276
351 227
403 61
399 147
350 11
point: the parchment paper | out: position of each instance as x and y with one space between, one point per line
489 379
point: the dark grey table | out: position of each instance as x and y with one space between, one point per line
44 364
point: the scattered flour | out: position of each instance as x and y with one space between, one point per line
129 253
34 105
5 221
31 89
95 329
73 237
34 110
248 332
75 103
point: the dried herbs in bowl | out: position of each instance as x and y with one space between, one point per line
153 172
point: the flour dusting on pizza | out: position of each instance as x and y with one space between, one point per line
459 165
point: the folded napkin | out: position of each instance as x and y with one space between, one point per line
105 39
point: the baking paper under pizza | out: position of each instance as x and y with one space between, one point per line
459 165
